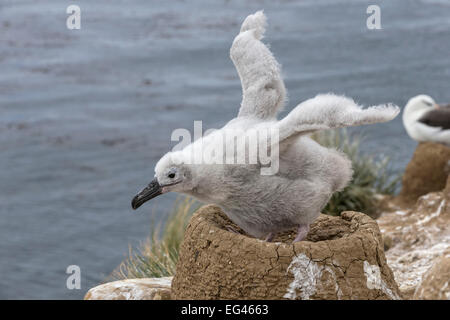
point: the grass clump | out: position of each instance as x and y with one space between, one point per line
371 175
158 255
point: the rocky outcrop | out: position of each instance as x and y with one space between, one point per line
426 172
132 289
414 240
342 258
435 282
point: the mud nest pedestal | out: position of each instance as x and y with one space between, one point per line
341 258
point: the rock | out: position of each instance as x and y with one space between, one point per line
414 238
435 282
426 172
132 289
343 258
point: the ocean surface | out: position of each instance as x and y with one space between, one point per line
85 114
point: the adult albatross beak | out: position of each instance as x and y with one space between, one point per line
149 192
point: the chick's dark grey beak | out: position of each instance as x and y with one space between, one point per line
152 190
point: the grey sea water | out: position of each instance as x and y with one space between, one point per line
85 114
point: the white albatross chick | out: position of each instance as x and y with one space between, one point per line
307 173
425 120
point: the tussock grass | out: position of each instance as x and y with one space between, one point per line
158 255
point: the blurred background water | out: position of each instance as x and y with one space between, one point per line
85 114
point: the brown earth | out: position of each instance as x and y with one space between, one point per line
342 258
426 172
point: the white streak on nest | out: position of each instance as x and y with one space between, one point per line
374 280
433 215
306 273
333 275
307 278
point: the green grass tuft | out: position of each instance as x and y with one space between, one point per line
158 255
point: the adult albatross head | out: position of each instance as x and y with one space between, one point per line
425 120
421 104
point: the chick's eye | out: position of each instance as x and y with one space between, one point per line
171 175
